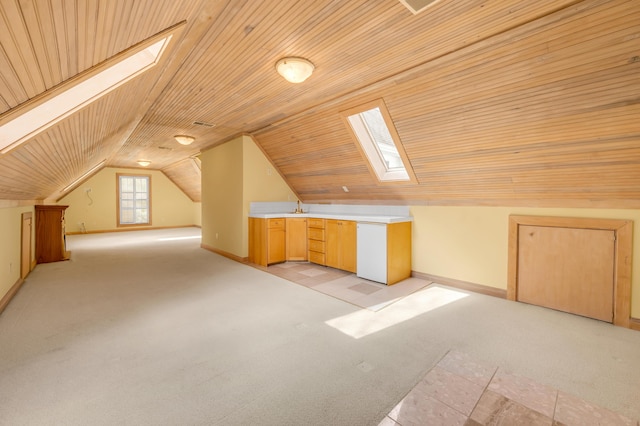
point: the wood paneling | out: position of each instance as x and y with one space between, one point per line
542 114
496 103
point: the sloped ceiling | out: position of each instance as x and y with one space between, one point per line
496 103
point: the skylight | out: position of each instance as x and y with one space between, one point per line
62 102
378 140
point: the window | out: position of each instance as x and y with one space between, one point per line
72 95
134 200
378 140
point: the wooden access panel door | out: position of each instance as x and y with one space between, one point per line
568 269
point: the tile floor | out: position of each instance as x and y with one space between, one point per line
345 285
461 391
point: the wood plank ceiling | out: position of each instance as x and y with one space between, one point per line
495 102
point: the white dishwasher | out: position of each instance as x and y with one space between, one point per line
371 254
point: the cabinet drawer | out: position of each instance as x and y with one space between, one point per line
316 223
316 257
316 234
276 223
315 245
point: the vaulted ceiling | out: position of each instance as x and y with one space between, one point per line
495 102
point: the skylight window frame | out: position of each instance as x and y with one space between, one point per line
371 151
28 127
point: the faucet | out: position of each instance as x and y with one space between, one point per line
298 209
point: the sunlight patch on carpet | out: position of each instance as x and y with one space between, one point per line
365 322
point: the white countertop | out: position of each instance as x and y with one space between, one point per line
338 216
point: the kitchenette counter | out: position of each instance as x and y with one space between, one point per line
338 216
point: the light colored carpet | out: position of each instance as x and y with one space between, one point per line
148 328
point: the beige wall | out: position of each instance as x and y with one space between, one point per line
10 242
197 213
470 243
97 209
233 175
222 197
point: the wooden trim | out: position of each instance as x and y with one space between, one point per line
225 254
4 302
634 324
462 285
7 204
623 230
146 228
25 216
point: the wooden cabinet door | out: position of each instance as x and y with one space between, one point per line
296 232
276 246
348 230
341 244
332 245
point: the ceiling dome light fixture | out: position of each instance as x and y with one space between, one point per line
294 70
144 163
184 139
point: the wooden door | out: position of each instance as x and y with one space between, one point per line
25 247
567 269
296 232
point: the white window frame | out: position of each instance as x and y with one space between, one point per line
136 222
372 150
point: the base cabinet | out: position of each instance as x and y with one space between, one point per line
316 243
266 241
276 242
383 256
341 244
50 234
296 234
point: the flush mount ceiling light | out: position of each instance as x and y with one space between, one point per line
184 139
144 163
294 70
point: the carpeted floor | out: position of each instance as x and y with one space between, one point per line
148 328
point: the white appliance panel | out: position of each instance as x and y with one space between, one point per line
371 257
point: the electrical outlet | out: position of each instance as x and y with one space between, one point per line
87 190
216 235
269 171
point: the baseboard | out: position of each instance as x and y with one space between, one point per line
634 324
225 254
12 292
146 228
462 285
